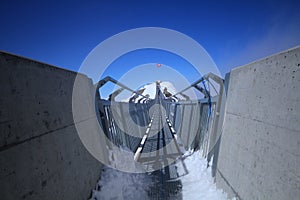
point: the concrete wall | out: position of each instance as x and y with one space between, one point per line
41 155
259 155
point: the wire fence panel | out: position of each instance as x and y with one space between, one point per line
126 123
193 123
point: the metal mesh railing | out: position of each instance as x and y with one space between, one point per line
195 123
126 122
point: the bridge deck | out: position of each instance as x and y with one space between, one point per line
145 128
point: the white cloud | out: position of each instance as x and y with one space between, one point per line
283 32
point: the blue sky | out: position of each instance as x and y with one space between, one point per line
62 33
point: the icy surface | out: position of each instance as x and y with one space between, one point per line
119 185
198 184
122 159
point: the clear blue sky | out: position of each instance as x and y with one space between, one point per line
234 33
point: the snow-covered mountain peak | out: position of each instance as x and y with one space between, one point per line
149 91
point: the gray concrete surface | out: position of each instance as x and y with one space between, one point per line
259 155
41 155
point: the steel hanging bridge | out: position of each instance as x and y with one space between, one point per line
159 131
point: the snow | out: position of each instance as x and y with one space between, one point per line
198 184
119 185
150 89
169 86
123 159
